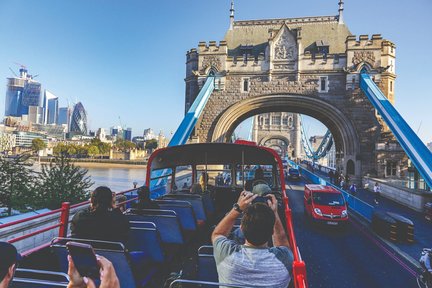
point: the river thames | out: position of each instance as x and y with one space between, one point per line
118 179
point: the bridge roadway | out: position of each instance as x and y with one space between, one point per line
343 258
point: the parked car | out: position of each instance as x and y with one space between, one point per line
325 204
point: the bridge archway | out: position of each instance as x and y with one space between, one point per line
341 127
278 142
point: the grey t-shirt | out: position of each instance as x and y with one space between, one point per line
254 267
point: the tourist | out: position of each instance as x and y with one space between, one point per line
253 263
144 201
9 258
196 189
108 276
377 191
203 181
331 176
353 189
101 221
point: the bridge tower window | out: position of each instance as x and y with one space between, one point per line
391 86
323 84
245 85
391 168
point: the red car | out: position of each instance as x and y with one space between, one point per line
325 204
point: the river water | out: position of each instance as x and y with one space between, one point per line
118 179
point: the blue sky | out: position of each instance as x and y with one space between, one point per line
127 58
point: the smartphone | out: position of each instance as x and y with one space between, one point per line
84 259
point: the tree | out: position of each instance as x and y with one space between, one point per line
151 144
38 144
61 181
16 182
93 150
124 145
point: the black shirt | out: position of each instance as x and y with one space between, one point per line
100 225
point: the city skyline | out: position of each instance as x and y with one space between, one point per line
132 68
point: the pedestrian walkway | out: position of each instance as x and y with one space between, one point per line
422 227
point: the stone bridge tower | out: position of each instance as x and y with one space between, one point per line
307 65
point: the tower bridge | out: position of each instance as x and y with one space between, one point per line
308 65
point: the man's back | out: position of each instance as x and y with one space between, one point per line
262 267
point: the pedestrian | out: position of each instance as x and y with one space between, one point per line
331 176
353 189
342 184
377 191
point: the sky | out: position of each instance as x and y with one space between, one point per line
125 60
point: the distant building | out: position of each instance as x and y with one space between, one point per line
7 141
21 92
101 134
115 131
149 134
78 125
24 139
139 141
127 134
35 114
64 116
51 109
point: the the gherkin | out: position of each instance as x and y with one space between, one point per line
79 120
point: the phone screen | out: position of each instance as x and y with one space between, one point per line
84 259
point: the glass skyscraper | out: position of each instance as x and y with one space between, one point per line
78 123
64 116
51 108
22 92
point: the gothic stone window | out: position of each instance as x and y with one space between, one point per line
267 121
323 84
391 168
285 121
276 120
245 85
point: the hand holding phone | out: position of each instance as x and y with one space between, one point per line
84 259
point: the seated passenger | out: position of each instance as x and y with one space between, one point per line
9 258
144 201
253 263
108 276
196 189
101 221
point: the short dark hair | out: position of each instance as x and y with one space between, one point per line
257 223
9 257
102 198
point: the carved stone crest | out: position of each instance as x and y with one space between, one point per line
211 61
285 47
363 56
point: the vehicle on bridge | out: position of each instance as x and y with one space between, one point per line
325 204
294 174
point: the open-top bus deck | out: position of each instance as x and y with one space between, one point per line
175 237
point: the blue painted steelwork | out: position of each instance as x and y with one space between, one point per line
322 150
188 124
408 139
183 132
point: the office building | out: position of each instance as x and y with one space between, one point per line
35 114
127 134
78 124
50 105
21 93
64 116
24 139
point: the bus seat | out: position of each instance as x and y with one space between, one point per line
196 202
113 251
29 278
183 210
168 225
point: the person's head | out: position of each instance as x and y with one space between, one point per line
257 223
102 199
196 189
144 193
259 173
8 263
